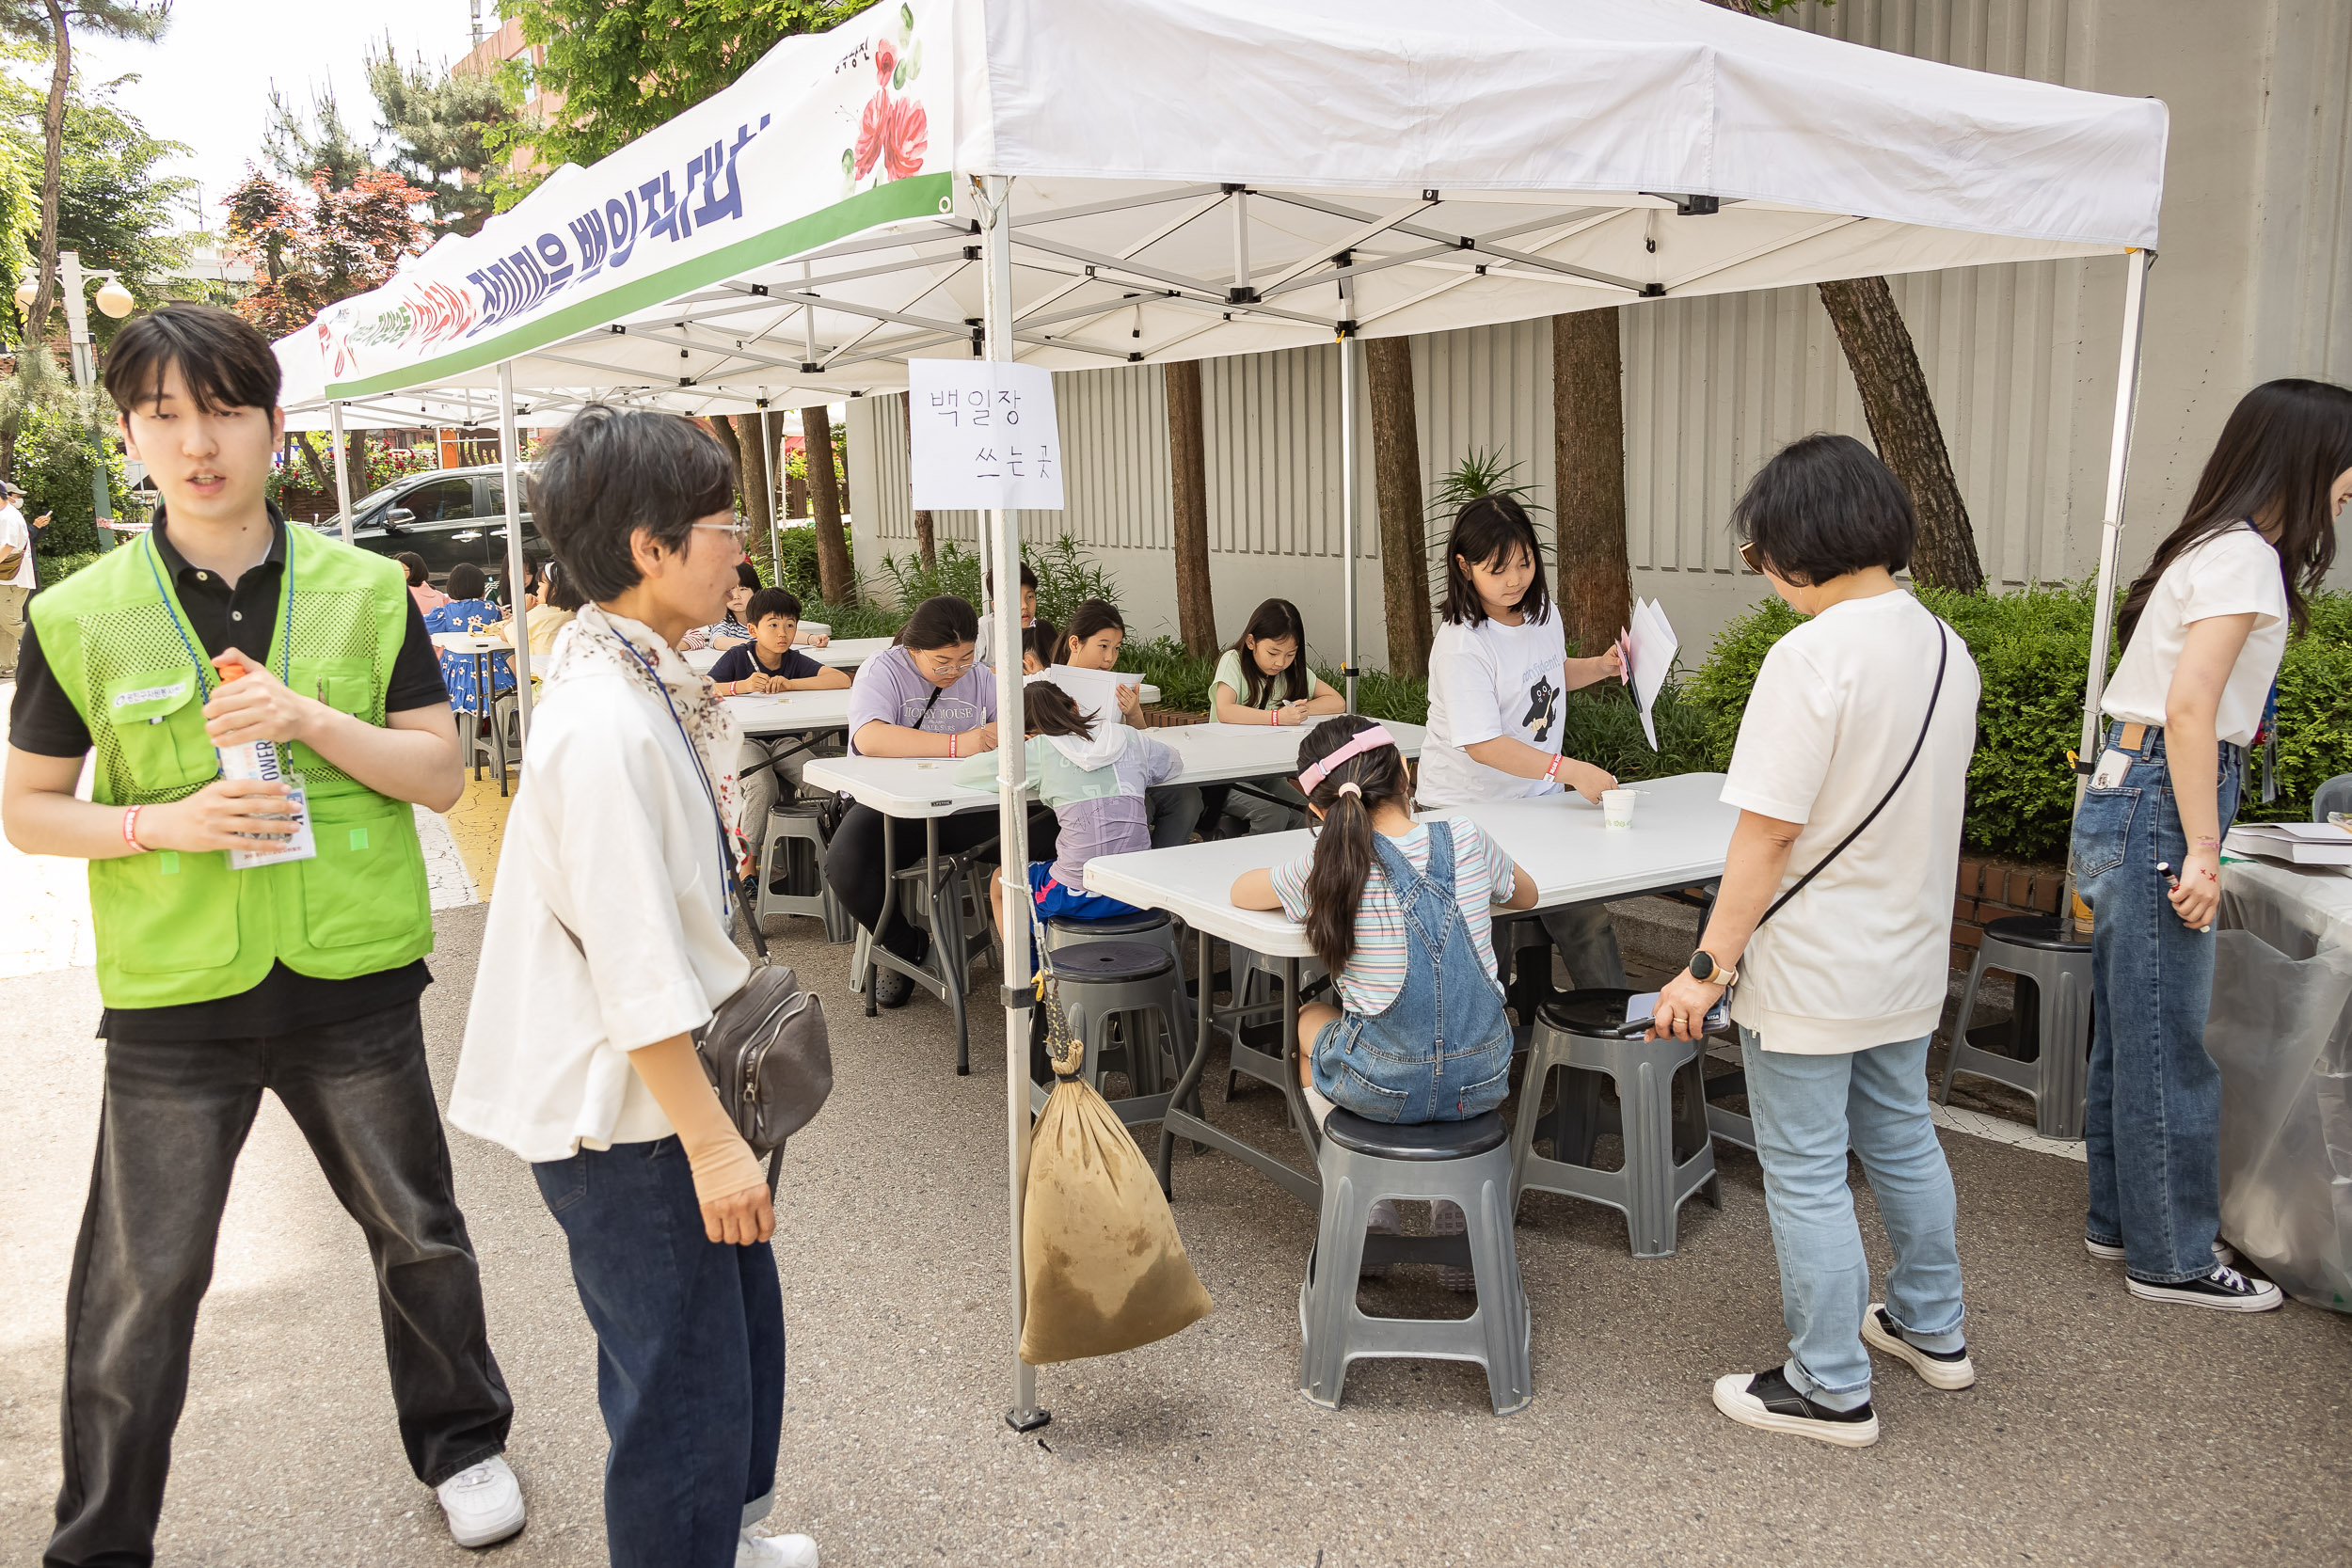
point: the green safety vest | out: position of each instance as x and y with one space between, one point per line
176 926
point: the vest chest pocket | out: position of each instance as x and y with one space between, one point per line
345 684
157 722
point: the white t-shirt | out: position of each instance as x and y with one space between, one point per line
1860 958
1484 682
2229 573
16 536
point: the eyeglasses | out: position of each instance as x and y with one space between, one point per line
936 664
736 531
1751 556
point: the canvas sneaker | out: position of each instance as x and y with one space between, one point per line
483 1503
775 1551
1765 1400
2225 1289
1936 1369
1447 1219
2110 1252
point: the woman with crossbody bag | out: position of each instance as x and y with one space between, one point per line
1851 774
607 948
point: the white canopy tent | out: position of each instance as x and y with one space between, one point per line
1087 182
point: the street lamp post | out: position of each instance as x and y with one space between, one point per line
117 302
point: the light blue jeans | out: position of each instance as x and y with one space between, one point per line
1807 1110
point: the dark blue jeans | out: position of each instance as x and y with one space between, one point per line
2152 1130
176 1114
689 1355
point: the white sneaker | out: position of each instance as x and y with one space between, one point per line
775 1551
484 1502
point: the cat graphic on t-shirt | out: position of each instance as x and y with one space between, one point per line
1542 702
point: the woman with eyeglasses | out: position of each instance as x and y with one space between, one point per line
927 695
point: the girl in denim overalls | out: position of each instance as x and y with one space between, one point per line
1398 911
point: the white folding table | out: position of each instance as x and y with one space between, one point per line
1680 836
840 654
923 789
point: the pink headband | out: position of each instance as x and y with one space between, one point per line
1364 741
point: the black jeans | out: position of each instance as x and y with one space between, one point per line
174 1119
853 865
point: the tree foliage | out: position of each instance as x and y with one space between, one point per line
314 246
615 69
440 124
300 145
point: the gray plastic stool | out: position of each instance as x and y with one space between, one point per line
1657 1179
1466 1162
1103 981
791 851
956 915
2042 948
1153 927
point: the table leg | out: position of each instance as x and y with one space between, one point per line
1179 1122
950 968
1189 1081
1302 1117
865 951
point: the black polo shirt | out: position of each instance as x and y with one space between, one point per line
44 721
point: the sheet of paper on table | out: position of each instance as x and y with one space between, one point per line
1096 691
984 435
1649 646
2297 843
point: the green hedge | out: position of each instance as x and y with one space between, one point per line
2031 649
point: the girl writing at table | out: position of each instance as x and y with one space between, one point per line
1499 674
1398 909
922 697
1263 679
1097 633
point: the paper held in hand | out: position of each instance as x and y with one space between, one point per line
984 435
1096 691
1648 648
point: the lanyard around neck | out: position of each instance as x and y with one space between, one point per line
726 860
171 607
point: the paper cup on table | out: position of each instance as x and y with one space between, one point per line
1616 808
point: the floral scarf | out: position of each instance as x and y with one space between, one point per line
598 640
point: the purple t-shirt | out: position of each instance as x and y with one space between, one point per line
892 689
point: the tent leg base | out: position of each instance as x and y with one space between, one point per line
1027 1420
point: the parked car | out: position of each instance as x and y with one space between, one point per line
446 516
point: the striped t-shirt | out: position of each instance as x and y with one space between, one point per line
1375 971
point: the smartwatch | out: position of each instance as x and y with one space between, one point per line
1704 967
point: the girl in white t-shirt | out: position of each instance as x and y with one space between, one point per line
1499 676
1263 679
2204 630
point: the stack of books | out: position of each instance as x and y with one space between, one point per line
2296 843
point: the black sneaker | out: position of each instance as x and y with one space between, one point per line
1765 1400
1937 1369
2225 1289
892 989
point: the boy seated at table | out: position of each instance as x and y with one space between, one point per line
769 663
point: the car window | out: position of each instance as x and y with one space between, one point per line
442 501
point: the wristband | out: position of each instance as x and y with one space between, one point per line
130 828
1552 773
952 747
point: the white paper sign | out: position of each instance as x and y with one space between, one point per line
1649 646
984 435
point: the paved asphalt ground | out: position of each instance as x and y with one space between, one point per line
2102 1431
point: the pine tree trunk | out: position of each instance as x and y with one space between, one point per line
1588 463
45 250
751 436
1188 475
824 505
722 427
925 537
1895 399
1396 485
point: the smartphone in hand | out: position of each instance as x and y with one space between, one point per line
1641 1012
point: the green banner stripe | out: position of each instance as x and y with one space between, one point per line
918 195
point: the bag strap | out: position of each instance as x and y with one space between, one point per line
1943 655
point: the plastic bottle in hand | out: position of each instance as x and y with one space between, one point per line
258 759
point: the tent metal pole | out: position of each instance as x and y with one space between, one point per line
1347 504
509 452
342 468
1012 809
2111 527
768 467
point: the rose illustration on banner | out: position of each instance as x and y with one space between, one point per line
869 135
905 136
885 60
893 133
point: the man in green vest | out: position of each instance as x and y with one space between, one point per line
262 921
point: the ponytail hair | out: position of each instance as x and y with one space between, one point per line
1347 796
1047 709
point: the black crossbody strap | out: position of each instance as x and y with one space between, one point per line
1943 655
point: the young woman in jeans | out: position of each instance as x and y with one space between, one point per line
2203 631
1838 994
609 943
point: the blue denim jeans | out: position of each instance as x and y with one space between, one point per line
1808 1111
1442 1051
689 1355
2152 1127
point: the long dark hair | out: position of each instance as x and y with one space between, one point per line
1091 618
1486 533
940 622
1344 853
1047 709
1274 618
2280 450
